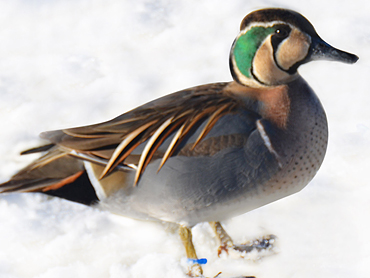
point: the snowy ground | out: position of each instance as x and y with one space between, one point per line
67 63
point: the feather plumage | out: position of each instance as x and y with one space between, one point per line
111 143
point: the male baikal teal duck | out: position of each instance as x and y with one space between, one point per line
206 153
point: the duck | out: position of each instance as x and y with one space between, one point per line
203 154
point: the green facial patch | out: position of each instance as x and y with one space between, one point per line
246 47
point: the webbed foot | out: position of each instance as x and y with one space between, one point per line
226 243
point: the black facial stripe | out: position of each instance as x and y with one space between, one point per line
282 31
255 77
276 62
293 69
276 39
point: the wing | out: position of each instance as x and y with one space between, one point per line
112 143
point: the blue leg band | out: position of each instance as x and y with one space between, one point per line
198 261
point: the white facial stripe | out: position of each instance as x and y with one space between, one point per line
267 141
264 24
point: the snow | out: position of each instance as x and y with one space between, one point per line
67 63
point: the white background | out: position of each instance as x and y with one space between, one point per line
67 63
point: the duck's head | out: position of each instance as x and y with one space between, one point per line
273 43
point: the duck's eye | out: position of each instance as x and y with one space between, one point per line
282 31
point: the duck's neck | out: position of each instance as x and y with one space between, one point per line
273 103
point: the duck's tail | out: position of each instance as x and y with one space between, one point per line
57 174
